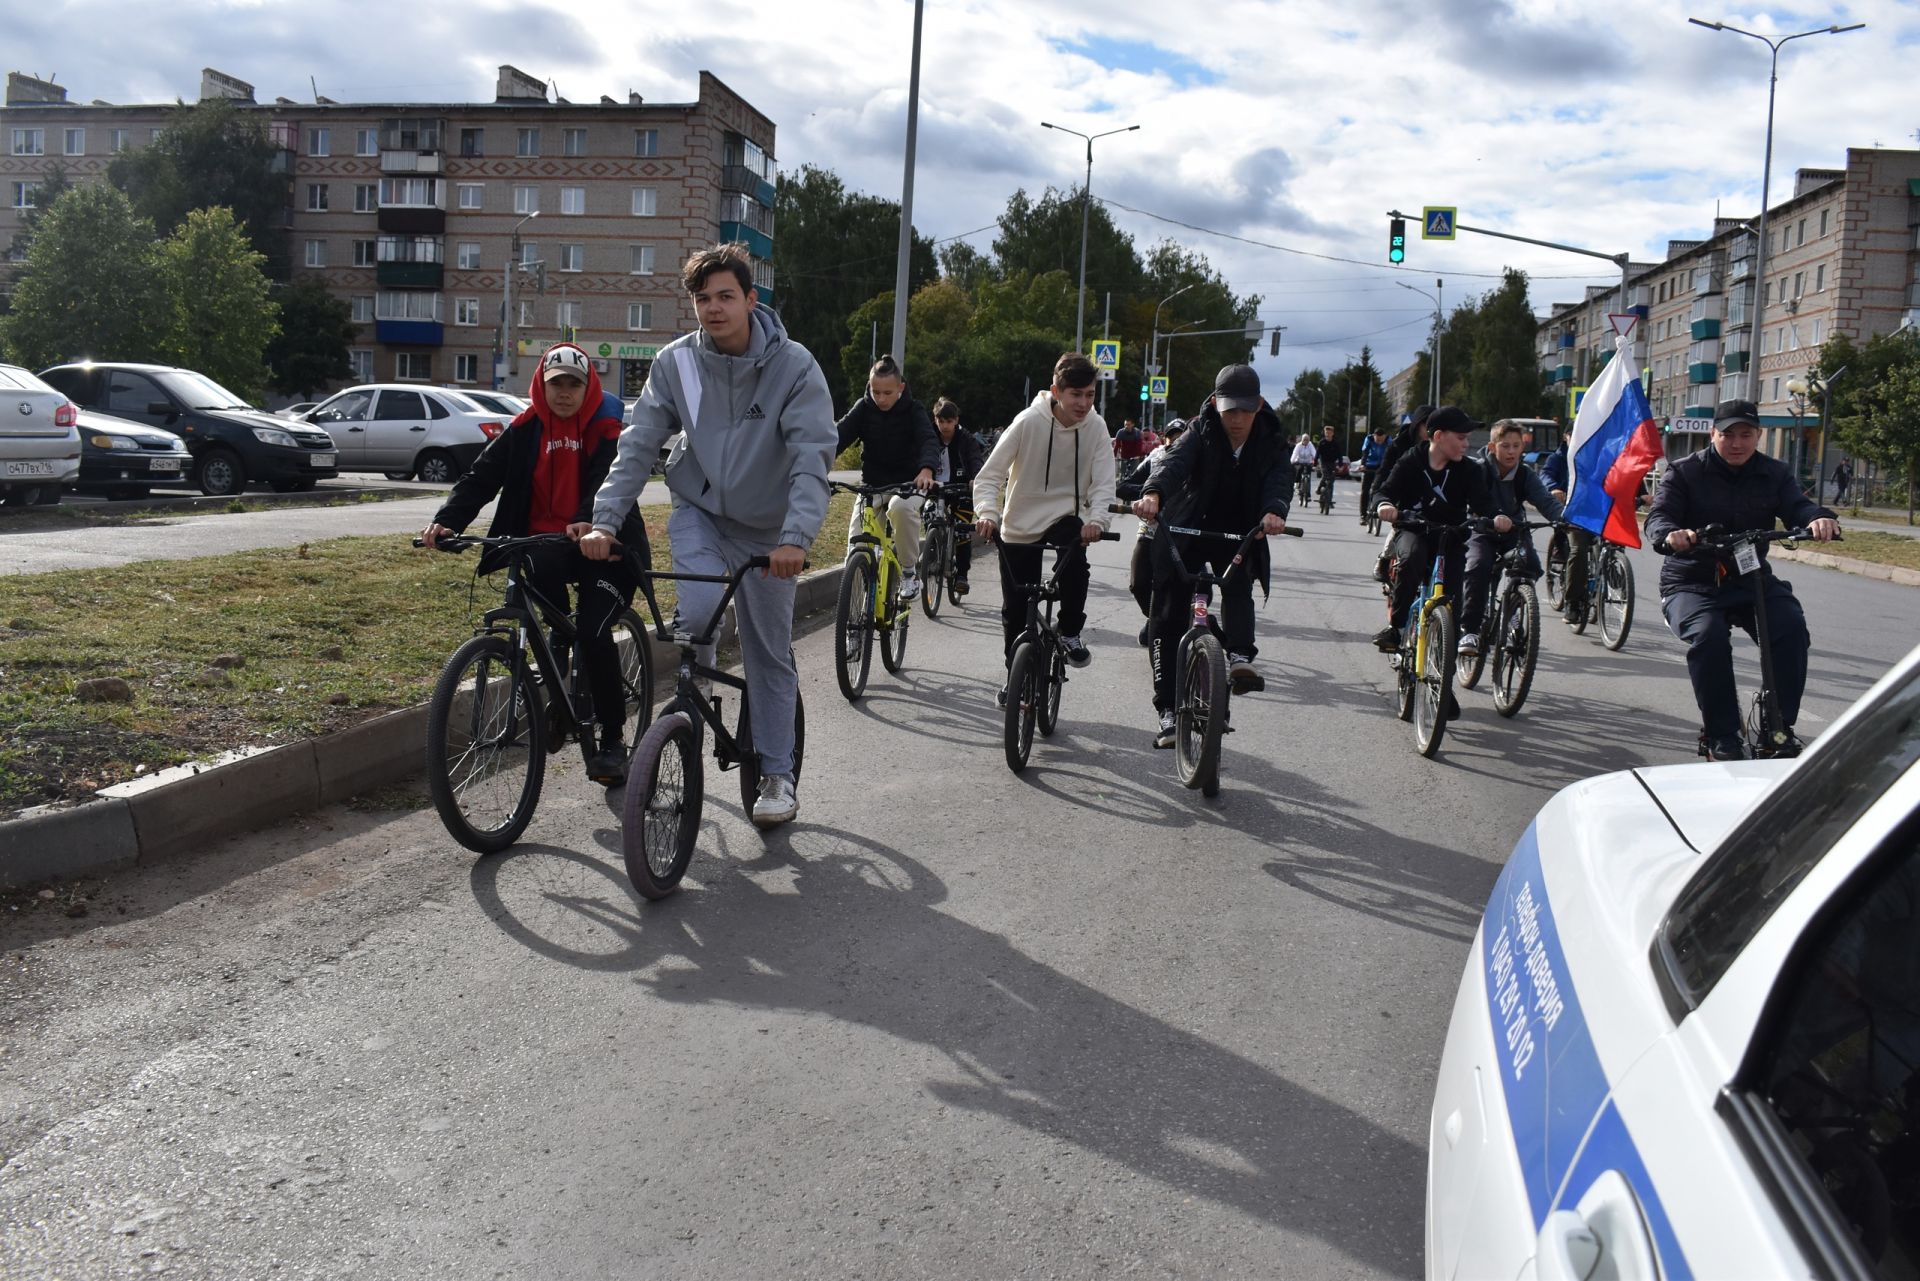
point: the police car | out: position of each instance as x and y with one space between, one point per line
1687 1043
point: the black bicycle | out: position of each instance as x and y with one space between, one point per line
1511 638
666 780
1038 671
1305 485
1326 490
945 518
1201 691
511 695
1609 586
1766 728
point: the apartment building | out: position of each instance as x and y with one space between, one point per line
1401 396
426 216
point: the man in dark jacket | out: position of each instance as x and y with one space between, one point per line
897 446
1731 484
1228 473
1514 487
545 469
1413 435
1439 483
961 455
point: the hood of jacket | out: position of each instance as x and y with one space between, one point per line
590 404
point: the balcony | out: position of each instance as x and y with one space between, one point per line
413 219
758 243
1736 362
410 275
410 333
1703 374
411 135
409 162
745 181
1563 373
1701 329
1566 340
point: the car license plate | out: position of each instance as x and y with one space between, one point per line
321 460
29 469
163 464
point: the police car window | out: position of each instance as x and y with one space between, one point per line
1840 1065
1758 866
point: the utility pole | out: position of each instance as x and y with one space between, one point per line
900 274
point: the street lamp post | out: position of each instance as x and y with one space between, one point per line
506 299
1766 170
1433 381
1086 204
1153 347
1823 388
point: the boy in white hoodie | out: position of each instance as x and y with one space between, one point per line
1048 483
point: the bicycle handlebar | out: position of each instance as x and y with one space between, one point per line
867 491
1715 538
1291 531
461 542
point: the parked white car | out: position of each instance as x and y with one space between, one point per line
39 440
406 430
1687 1043
500 401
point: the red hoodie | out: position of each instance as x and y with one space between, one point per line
565 445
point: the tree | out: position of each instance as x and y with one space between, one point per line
92 285
52 186
1876 407
966 266
212 154
316 332
220 317
1503 377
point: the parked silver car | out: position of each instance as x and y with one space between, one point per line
407 430
39 441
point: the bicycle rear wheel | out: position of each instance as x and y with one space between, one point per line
1200 712
1616 598
1516 647
1055 681
635 644
853 626
1023 700
1557 570
935 556
660 816
1434 683
750 759
486 745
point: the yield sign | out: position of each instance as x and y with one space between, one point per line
1623 322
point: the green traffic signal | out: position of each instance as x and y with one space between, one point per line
1143 391
1397 240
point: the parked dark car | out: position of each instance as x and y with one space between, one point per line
232 443
121 459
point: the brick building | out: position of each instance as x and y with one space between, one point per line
410 210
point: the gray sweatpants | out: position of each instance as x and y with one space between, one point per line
763 610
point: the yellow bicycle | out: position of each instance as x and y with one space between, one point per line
870 603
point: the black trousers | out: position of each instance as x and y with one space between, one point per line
1367 475
604 589
1412 556
1172 614
1024 563
1705 618
1483 562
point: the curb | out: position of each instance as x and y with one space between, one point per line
1848 565
189 807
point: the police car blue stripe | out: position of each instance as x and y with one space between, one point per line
1566 1130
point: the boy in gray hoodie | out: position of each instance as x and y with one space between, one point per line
748 478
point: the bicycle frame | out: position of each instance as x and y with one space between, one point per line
690 670
874 533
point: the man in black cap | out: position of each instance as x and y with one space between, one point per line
1731 484
1413 435
1438 482
1228 473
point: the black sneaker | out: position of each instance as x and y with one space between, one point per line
1146 635
959 587
608 766
1246 679
1078 655
1387 640
1733 748
1000 697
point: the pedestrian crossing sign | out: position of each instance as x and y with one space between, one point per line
1106 354
1158 387
1437 222
1574 397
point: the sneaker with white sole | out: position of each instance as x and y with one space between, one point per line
1165 737
909 586
777 802
1470 645
1078 655
1243 676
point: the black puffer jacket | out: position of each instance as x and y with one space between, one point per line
894 443
1701 489
1202 486
965 456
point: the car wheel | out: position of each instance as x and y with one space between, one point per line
20 496
398 475
220 474
292 486
436 467
47 495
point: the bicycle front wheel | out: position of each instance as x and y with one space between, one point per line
1557 570
486 744
893 637
635 645
1200 712
1056 679
660 816
1023 704
853 626
1433 682
1516 647
1616 599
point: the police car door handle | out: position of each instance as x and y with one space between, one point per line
1568 1250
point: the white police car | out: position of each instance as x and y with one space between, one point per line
1687 1043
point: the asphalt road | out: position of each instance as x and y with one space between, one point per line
952 1023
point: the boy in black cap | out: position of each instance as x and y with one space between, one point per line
1228 472
1439 482
1731 484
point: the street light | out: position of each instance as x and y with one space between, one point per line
1086 203
1153 348
1823 388
506 300
1766 171
1433 388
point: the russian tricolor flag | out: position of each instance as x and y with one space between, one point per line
1615 443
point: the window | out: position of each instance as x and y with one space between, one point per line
362 363
529 252
639 315
575 141
408 304
573 257
473 143
116 141
1793 336
363 309
130 393
640 260
75 141
316 197
1823 221
468 257
646 202
528 144
1816 331
1800 237
365 253
646 142
414 193
153 134
526 200
742 209
316 253
408 366
466 311
25 194
347 407
573 200
366 197
567 314
366 142
466 368
319 142
410 249
526 314
29 142
473 195
1776 390
1799 283
1820 278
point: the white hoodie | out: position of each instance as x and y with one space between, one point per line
1041 470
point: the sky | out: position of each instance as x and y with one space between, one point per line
1283 128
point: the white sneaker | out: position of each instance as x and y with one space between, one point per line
777 801
1168 731
1470 645
909 586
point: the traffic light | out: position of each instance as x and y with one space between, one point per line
1397 240
1143 391
1276 342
